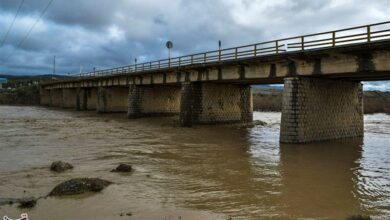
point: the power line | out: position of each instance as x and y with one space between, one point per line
12 24
31 29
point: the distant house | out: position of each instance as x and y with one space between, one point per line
2 81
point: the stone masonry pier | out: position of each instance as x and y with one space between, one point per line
155 100
112 99
215 103
320 109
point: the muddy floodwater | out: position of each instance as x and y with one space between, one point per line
204 172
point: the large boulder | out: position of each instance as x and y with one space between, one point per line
123 168
79 186
60 166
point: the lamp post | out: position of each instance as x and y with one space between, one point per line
219 50
169 45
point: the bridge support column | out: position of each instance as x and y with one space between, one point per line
320 109
44 95
82 99
153 100
112 99
55 97
209 103
69 97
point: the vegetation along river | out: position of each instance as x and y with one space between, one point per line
203 172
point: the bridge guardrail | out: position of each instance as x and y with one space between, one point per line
359 34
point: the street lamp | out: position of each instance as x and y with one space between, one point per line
169 45
219 50
135 64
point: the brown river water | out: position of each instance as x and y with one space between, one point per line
204 172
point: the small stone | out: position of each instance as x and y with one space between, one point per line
129 214
60 166
123 168
27 203
79 186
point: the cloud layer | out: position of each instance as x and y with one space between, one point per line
106 33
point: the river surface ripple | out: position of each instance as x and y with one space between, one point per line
204 172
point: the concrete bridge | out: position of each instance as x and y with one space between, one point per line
322 76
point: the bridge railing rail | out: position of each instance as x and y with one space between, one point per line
347 36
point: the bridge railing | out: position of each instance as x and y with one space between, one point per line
354 35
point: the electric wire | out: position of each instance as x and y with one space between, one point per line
12 24
30 31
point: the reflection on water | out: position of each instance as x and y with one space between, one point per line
204 172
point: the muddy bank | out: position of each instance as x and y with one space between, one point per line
21 96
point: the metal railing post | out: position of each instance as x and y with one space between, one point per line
204 58
192 59
368 33
236 53
255 50
334 38
303 42
277 46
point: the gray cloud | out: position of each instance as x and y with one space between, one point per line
106 33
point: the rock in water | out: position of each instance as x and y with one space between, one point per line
60 166
27 203
79 186
123 168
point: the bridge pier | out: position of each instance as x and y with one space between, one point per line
82 99
86 99
68 99
112 99
153 100
55 97
321 109
44 96
211 103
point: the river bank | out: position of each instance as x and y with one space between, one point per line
26 95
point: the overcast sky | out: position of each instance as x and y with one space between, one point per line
109 33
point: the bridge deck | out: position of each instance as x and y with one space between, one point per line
359 41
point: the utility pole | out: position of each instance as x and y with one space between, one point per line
54 65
